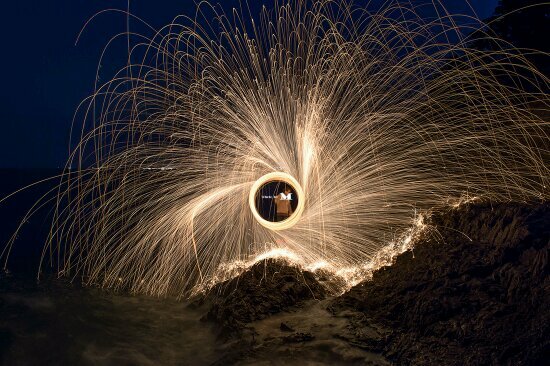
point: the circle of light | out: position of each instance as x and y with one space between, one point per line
277 176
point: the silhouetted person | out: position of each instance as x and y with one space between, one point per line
282 201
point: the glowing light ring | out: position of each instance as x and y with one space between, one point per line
284 177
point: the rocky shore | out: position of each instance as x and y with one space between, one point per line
475 290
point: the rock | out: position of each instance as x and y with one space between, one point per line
476 291
267 288
286 328
298 338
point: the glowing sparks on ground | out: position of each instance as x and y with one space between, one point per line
342 277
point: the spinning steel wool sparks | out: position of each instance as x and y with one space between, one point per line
371 117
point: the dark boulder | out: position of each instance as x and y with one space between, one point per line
268 287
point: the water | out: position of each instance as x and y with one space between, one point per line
59 323
56 323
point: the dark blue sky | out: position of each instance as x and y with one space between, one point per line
45 75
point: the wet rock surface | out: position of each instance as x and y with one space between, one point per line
474 291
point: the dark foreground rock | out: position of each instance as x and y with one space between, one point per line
267 288
275 313
475 291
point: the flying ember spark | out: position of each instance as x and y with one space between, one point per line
368 117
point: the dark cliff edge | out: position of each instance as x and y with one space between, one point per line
475 290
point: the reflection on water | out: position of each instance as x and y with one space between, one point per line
56 323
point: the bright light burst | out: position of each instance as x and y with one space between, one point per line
377 116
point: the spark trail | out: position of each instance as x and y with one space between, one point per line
378 116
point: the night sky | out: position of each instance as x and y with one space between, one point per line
45 75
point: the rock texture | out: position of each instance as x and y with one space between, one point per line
474 291
267 288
